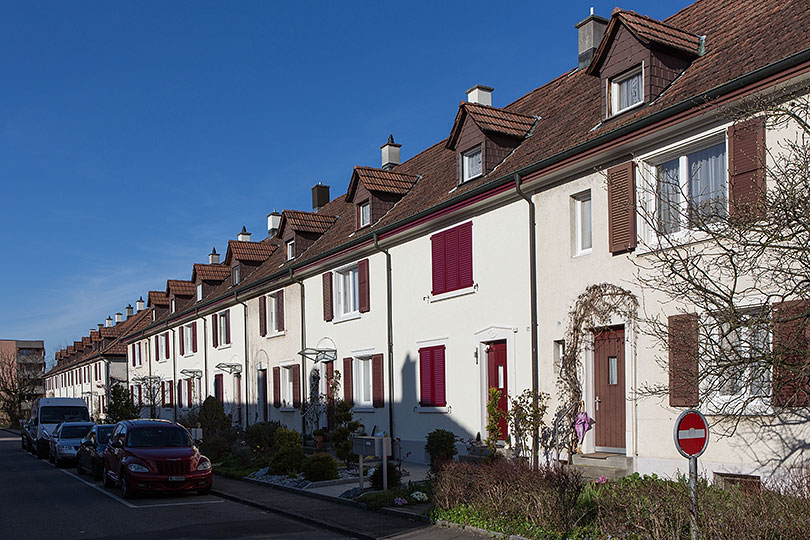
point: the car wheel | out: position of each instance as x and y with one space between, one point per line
79 470
126 490
95 472
108 483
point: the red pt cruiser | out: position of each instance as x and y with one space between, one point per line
154 455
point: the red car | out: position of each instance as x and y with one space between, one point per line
154 455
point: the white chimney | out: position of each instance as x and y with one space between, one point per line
139 305
129 311
590 32
213 257
390 154
273 223
243 236
108 322
480 94
119 317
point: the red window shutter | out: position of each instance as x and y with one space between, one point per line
438 263
439 399
276 387
622 208
170 384
180 394
133 355
328 312
296 382
163 393
746 149
168 348
157 348
219 388
425 376
465 256
214 330
683 360
190 392
262 315
451 259
280 310
377 382
194 337
330 375
227 326
362 282
182 340
348 386
791 348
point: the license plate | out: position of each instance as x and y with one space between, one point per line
176 478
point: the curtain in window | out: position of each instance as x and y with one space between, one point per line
630 91
667 197
707 182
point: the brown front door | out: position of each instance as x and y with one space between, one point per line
608 360
496 374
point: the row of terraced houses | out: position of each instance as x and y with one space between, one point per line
428 281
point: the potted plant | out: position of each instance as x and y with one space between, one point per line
319 436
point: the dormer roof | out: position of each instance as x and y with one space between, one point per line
490 120
179 287
95 335
86 341
210 272
380 180
241 250
158 298
306 222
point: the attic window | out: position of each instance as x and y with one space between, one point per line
173 306
471 164
290 250
235 275
365 213
199 292
626 90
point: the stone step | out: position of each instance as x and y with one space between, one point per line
600 459
592 472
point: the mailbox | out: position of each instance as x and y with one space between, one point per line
371 446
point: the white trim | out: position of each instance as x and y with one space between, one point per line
368 351
434 342
479 148
613 84
452 294
433 410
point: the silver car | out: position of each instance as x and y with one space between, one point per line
65 441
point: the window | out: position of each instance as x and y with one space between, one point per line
452 263
363 377
138 360
582 223
746 374
189 340
235 275
223 328
199 292
275 312
347 292
219 388
162 347
471 164
290 250
173 305
365 213
287 386
691 189
626 91
431 377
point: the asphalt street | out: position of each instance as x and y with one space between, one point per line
43 502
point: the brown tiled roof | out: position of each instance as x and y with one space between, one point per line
248 251
158 298
652 31
179 287
307 221
111 332
381 180
210 272
86 341
95 335
490 120
70 349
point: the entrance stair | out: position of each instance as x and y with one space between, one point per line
611 466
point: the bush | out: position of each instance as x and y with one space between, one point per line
218 435
284 438
261 436
320 467
288 460
394 477
441 445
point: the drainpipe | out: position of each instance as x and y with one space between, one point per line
247 378
152 397
390 337
204 389
533 308
174 373
303 346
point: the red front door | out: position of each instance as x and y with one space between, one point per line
609 397
496 374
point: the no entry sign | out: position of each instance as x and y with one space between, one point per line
691 433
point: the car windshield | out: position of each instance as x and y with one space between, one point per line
104 434
74 432
158 436
57 415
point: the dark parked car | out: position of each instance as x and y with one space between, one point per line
90 457
154 455
28 443
65 440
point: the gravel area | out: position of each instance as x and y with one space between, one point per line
263 475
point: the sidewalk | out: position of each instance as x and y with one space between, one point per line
342 517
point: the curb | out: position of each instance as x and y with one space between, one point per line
492 534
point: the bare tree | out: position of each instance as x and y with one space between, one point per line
149 394
19 384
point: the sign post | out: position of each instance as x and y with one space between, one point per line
691 436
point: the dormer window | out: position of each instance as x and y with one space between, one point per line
472 164
235 275
199 292
365 213
173 306
626 90
290 250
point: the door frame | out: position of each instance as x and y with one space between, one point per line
483 338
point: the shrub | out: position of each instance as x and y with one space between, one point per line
261 436
218 436
441 445
394 477
286 439
288 460
319 467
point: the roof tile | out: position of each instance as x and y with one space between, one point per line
211 272
308 221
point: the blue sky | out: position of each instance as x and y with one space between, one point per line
136 136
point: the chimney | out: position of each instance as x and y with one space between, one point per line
213 257
243 236
119 317
139 304
129 311
101 325
273 222
320 196
108 322
390 154
480 94
590 31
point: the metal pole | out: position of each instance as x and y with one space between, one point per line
693 498
385 468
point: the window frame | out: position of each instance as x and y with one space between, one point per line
614 87
465 160
338 285
271 312
188 339
461 289
286 387
236 275
222 333
363 368
164 348
579 200
433 406
364 214
290 249
199 291
138 358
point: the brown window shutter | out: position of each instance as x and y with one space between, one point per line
330 374
377 382
791 348
157 349
133 354
190 383
262 315
328 312
168 349
362 283
194 336
280 310
227 326
683 361
276 387
296 383
182 333
622 208
746 150
214 330
348 387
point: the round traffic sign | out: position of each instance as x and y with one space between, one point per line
691 433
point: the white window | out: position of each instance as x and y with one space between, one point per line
137 354
235 275
188 340
690 189
199 292
626 91
274 325
362 382
471 164
163 346
582 223
290 250
347 292
287 389
173 306
365 213
223 323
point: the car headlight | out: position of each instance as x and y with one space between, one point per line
135 467
204 465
